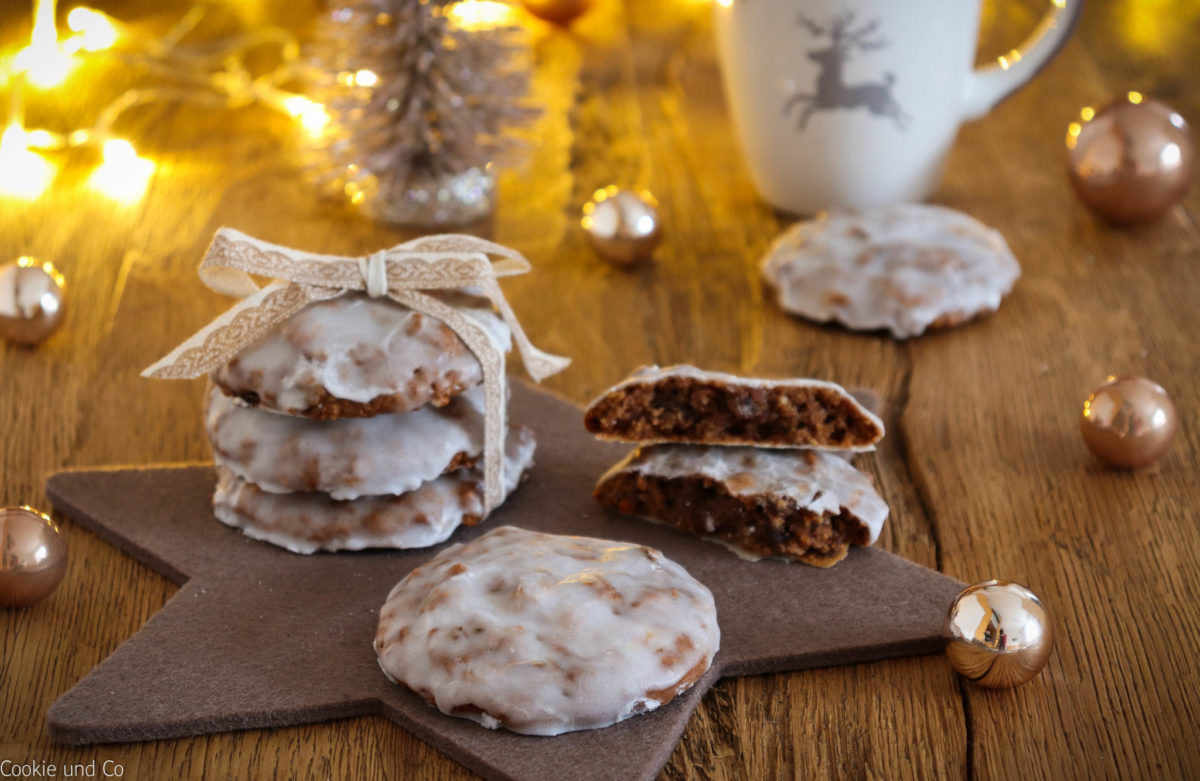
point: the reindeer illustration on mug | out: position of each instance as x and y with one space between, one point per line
832 91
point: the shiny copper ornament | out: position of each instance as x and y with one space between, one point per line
32 299
557 11
622 225
1128 421
1131 160
998 634
33 556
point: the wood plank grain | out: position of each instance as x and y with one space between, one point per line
983 467
993 422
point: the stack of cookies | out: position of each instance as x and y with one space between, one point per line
756 464
357 423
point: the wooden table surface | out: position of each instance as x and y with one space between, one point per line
983 467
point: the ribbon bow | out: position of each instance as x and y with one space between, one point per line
400 273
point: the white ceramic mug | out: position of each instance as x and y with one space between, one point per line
855 103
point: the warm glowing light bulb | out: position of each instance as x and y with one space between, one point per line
1087 113
365 78
312 115
481 14
1073 131
357 196
23 174
1135 97
94 31
123 176
41 139
43 61
725 3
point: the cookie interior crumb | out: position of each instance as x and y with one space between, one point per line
679 409
762 525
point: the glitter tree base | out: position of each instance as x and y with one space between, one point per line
436 201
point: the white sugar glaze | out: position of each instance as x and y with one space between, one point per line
545 634
347 458
308 522
358 349
900 267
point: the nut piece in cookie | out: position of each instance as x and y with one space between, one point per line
905 268
800 504
686 404
544 634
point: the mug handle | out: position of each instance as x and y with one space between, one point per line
988 86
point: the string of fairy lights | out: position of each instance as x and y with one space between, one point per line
211 73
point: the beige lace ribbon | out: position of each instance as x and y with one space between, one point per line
400 273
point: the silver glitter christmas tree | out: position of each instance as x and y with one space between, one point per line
418 109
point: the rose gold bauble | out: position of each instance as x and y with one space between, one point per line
1128 422
1131 160
32 298
33 556
998 634
557 11
622 225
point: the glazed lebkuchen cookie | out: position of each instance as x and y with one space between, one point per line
543 634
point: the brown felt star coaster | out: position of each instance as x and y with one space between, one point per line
259 637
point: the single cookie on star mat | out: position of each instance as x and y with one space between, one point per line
311 521
807 505
686 404
355 356
904 268
347 458
544 634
